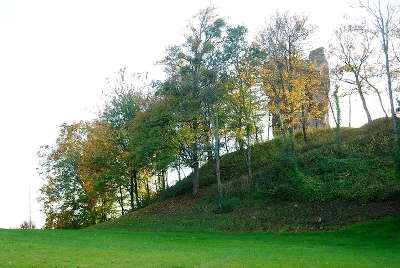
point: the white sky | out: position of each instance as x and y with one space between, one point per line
55 56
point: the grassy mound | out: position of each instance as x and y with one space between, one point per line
326 186
361 168
376 244
186 214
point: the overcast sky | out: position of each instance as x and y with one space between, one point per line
55 56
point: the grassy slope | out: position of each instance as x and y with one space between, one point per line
185 214
363 162
375 244
364 171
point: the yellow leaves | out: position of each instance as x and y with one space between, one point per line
292 89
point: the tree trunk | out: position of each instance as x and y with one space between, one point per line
196 184
277 125
135 173
165 179
226 143
148 189
121 200
332 111
349 110
292 141
208 139
217 160
389 82
248 159
178 170
381 103
304 124
256 132
209 150
304 130
379 97
364 103
131 193
195 161
269 125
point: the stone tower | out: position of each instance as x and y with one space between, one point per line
318 59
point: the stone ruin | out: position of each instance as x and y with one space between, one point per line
318 59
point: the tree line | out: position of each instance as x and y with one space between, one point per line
221 94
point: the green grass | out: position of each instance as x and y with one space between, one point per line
376 244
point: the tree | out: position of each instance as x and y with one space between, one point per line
190 73
126 101
154 141
384 19
289 81
102 166
67 199
246 108
353 50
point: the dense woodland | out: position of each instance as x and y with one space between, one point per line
224 95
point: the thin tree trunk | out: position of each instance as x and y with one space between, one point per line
349 110
248 160
209 146
148 189
304 130
121 200
381 103
226 143
256 132
269 125
379 97
209 151
165 179
158 184
292 141
196 164
332 111
217 160
304 124
364 103
196 184
131 193
178 170
389 81
135 173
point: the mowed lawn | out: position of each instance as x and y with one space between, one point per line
376 244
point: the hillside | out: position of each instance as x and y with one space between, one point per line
324 187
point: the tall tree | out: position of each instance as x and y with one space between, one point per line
154 140
67 198
189 77
353 49
289 81
126 101
384 18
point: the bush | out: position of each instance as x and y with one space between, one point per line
282 179
27 225
225 205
